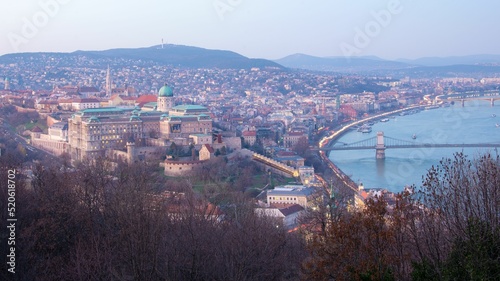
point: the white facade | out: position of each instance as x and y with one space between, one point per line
85 104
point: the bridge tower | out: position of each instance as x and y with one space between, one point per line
463 102
492 102
380 146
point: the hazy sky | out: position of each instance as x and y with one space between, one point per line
256 28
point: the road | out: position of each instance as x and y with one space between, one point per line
32 152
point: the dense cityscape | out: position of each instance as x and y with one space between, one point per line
215 141
367 151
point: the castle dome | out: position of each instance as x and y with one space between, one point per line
165 91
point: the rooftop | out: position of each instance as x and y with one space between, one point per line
188 107
101 110
186 118
87 100
152 104
290 190
60 125
146 99
165 91
291 209
249 133
293 158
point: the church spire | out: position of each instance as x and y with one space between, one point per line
108 82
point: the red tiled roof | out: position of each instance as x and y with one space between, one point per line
146 99
249 133
291 209
65 100
48 102
364 194
209 148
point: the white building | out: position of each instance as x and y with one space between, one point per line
290 194
81 104
59 131
288 215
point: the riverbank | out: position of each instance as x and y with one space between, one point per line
330 140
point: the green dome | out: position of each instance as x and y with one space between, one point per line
165 91
94 119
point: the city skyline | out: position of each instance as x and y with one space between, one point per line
390 29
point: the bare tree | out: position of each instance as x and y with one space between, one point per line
301 146
456 195
356 247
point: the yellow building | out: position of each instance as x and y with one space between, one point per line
290 194
183 126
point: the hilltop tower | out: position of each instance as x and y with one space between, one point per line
165 99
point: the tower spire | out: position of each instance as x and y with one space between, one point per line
108 82
6 82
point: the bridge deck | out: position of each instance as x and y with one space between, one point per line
424 145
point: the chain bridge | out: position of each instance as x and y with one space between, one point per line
490 96
380 143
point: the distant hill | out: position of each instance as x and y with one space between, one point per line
177 55
340 64
195 57
455 60
453 71
425 67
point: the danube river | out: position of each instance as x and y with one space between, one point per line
476 122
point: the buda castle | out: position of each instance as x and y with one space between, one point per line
131 133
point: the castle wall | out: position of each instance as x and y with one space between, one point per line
52 146
179 168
